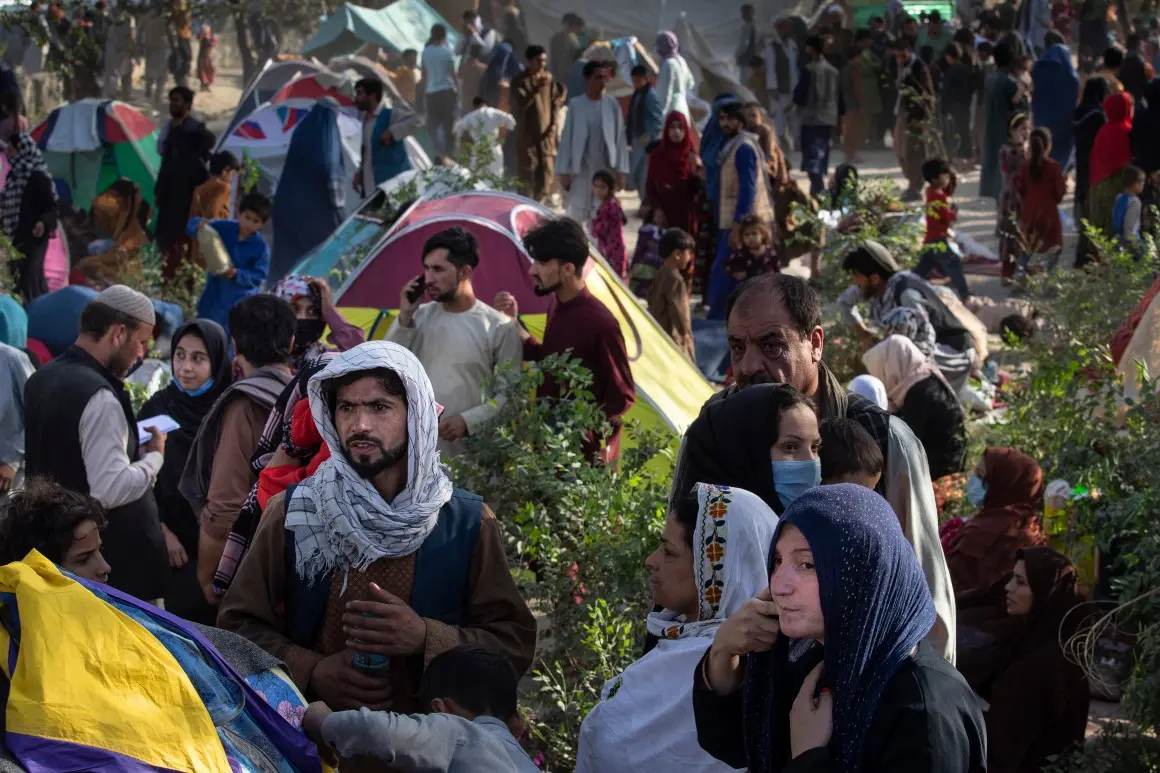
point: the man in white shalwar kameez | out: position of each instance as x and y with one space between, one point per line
594 138
488 125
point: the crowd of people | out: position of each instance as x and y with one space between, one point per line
810 614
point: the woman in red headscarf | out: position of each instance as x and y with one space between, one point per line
1110 154
673 184
1007 486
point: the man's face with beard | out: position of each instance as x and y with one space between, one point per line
132 344
729 124
372 425
364 101
442 276
177 106
547 275
765 346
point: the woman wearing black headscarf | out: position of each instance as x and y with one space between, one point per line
848 683
732 443
1039 701
1088 120
201 372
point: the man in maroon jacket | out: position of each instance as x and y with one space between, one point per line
577 322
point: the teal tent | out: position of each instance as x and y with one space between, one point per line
401 25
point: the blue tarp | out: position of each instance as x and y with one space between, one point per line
55 319
403 24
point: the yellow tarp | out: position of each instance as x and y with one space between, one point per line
88 674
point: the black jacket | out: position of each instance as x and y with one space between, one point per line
54 400
928 721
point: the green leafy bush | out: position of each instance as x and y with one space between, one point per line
577 537
1069 414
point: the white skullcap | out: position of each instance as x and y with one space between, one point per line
129 302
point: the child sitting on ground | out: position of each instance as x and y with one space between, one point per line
756 255
471 693
249 254
608 225
668 299
1128 212
849 454
646 258
939 250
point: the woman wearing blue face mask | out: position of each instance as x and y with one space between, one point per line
1007 489
201 372
763 439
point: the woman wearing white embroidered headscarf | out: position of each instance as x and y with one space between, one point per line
675 80
713 558
921 396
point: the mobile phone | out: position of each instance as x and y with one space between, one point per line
420 288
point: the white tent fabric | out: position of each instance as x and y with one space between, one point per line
265 136
75 130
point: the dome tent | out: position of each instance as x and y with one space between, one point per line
92 143
369 259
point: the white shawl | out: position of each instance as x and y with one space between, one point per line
339 519
644 720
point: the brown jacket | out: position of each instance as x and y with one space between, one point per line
499 618
668 302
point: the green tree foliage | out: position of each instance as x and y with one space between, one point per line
1069 414
577 537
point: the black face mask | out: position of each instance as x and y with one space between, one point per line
307 332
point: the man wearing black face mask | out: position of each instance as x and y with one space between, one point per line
460 340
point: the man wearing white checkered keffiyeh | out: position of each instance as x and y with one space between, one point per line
379 494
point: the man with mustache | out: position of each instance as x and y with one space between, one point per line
361 574
460 340
775 335
578 323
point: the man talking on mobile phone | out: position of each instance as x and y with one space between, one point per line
460 340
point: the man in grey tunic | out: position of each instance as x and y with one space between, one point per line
593 139
154 41
120 48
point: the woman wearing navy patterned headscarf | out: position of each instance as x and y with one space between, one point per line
849 683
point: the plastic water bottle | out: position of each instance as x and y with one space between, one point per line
369 663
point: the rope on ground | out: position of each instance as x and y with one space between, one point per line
1083 647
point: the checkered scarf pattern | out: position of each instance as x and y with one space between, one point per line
339 520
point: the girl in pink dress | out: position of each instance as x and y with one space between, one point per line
608 225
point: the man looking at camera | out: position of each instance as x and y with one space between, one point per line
459 340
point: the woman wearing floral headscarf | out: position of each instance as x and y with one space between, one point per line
675 79
313 304
846 682
712 559
28 214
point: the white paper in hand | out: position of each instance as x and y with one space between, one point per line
164 423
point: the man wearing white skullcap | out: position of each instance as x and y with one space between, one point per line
80 430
